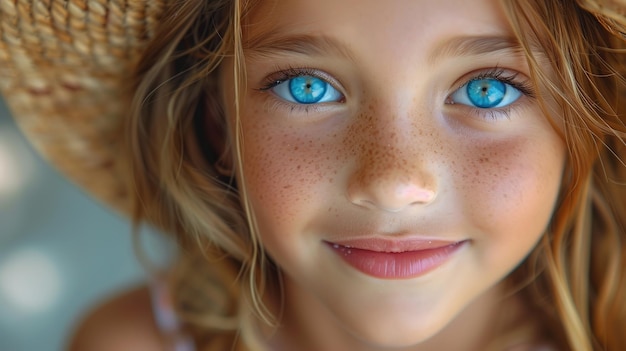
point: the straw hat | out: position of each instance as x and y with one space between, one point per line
62 69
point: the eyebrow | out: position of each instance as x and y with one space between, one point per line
275 43
473 46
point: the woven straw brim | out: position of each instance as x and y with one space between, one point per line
63 71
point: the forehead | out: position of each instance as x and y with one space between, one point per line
388 26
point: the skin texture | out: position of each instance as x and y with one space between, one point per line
393 158
124 322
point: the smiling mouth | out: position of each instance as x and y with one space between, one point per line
396 260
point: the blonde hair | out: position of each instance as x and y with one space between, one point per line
584 251
575 277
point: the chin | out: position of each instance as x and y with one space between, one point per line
396 332
399 339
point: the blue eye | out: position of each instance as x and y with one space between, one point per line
486 93
307 90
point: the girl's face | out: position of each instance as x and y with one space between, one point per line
397 162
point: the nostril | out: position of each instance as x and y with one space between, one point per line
392 189
375 206
392 210
392 199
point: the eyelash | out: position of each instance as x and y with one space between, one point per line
283 75
503 76
496 73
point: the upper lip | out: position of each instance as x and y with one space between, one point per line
380 244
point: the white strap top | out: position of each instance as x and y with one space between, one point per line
166 320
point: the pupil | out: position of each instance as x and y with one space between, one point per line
486 93
307 89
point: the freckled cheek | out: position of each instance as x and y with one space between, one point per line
509 186
286 171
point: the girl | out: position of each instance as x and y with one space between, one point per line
367 175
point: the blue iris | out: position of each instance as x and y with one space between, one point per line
486 93
307 89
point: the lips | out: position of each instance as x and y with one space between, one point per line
395 259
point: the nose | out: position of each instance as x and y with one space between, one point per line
392 172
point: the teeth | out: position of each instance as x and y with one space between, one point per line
345 249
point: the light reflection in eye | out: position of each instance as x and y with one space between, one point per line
486 93
307 90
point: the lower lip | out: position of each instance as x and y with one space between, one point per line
396 265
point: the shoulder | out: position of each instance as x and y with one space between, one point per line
124 322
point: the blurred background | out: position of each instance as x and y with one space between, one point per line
60 251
